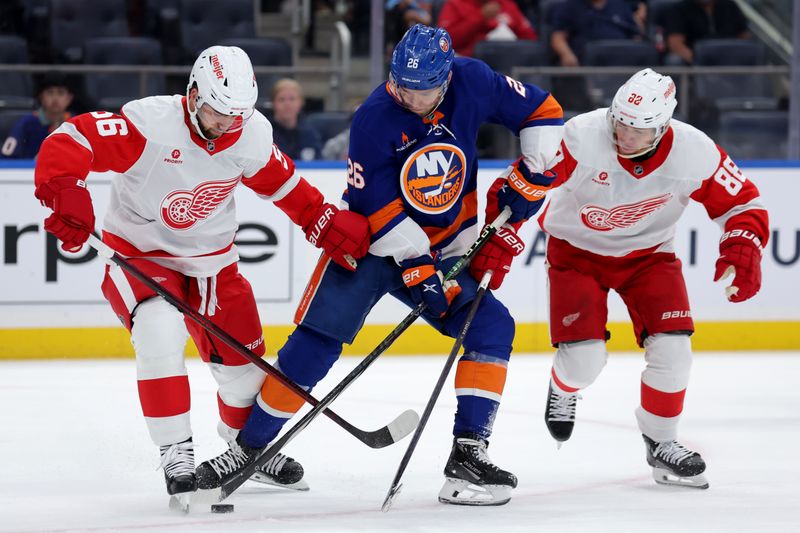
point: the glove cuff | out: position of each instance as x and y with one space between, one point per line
47 191
740 237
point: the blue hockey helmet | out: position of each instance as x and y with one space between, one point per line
422 59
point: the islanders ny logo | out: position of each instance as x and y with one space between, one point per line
433 177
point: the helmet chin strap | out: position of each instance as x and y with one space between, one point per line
193 117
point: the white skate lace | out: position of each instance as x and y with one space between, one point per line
672 452
274 465
477 449
562 407
228 461
177 459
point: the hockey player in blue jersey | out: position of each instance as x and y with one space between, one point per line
412 170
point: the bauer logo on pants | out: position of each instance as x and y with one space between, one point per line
433 177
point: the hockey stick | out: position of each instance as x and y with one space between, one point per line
379 438
396 485
229 486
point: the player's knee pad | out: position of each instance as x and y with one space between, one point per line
159 337
492 330
669 361
577 364
307 356
238 385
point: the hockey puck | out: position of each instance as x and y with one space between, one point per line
222 508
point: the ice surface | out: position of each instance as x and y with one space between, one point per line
76 455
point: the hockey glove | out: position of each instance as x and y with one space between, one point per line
73 215
425 283
343 235
740 255
523 191
496 255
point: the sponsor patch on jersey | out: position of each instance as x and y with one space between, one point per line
433 177
182 209
623 216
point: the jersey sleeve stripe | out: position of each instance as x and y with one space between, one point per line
548 109
69 129
385 216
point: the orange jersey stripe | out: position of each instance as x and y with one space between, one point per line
382 216
469 209
280 397
484 376
550 108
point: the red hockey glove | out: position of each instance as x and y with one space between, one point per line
740 255
73 215
424 280
496 255
524 191
343 235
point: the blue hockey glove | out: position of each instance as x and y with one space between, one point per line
424 281
523 191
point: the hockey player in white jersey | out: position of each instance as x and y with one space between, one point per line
172 214
625 175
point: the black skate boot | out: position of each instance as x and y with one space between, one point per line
674 464
177 460
559 413
472 478
213 473
281 471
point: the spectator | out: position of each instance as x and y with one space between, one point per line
472 21
294 138
692 20
30 131
401 15
577 22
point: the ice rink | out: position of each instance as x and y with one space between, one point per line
76 455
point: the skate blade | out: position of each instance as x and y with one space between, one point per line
664 477
266 480
461 492
207 496
180 502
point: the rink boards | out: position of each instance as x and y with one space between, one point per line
51 304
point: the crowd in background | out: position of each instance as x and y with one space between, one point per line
566 26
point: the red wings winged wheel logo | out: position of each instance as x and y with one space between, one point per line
180 210
623 216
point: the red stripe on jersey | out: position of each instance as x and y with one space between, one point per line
469 209
164 397
279 169
115 143
302 203
664 404
235 417
125 248
560 384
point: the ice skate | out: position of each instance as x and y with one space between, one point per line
177 460
559 413
281 471
212 474
472 478
674 464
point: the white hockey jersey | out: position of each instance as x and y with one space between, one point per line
617 207
173 200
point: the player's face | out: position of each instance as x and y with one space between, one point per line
214 123
419 102
632 140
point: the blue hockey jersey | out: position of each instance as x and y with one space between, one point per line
415 178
